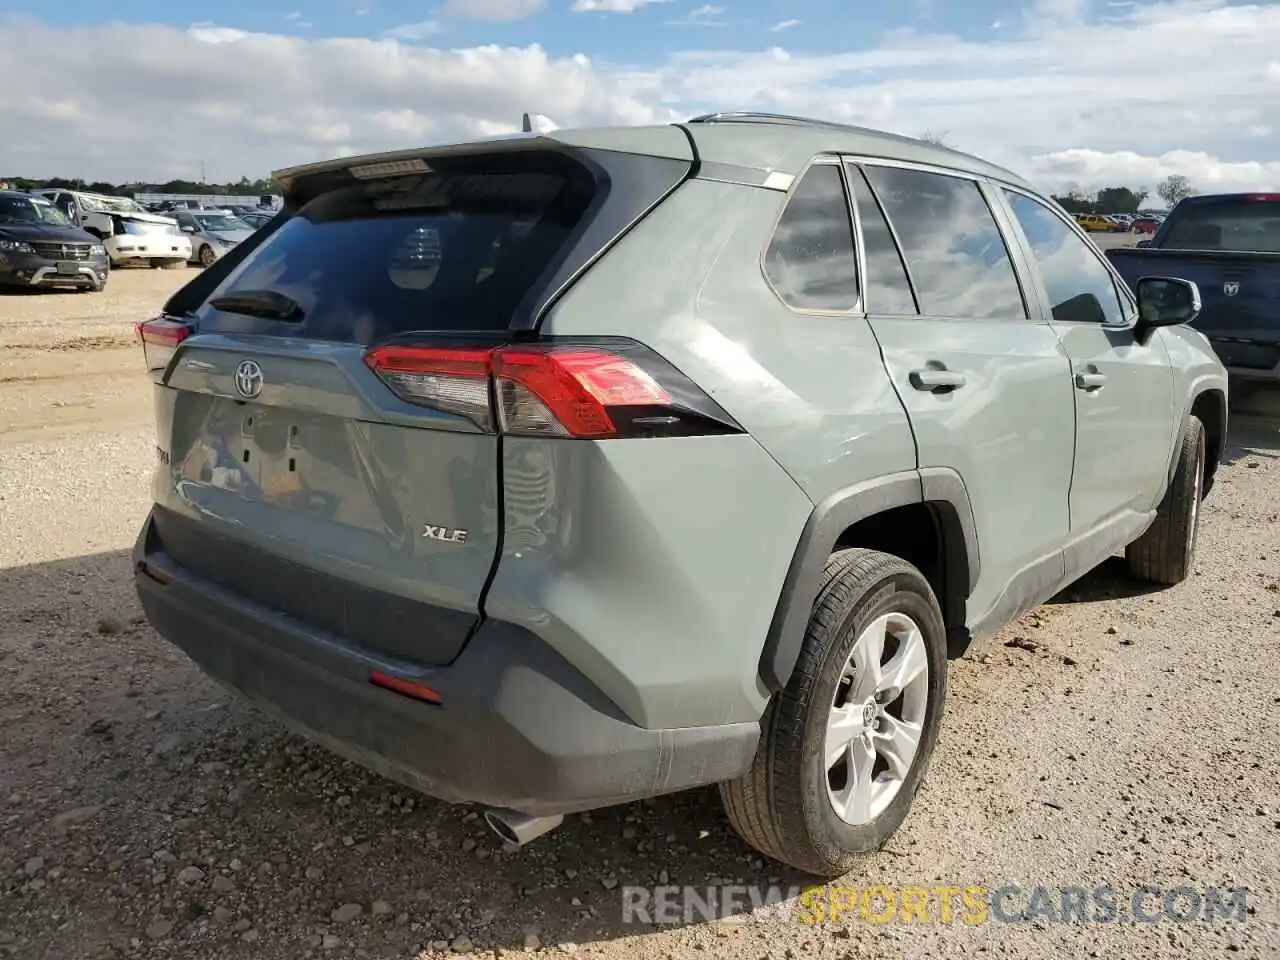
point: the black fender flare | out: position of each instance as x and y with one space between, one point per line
939 487
1202 387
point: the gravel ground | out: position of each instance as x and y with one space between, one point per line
1113 737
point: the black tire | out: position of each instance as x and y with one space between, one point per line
1166 553
781 806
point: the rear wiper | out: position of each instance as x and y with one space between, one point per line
267 304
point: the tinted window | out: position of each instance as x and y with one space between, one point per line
1225 223
1080 288
810 260
888 289
958 259
457 249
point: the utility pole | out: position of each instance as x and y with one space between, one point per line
203 178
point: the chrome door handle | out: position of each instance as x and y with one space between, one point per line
1090 381
937 380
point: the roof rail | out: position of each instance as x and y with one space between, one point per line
752 116
785 119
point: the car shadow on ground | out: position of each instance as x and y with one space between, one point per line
133 767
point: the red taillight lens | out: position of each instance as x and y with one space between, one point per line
560 390
1263 197
160 339
568 391
448 379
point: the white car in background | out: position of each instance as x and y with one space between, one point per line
212 233
130 234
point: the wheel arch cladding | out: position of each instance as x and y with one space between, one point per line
923 517
1210 406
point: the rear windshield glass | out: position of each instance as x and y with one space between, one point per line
1229 224
456 249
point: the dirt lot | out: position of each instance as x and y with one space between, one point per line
1112 738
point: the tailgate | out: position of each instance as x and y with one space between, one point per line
1239 293
364 502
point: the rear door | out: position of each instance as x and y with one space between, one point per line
984 379
1123 387
303 466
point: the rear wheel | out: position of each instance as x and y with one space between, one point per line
1166 553
844 747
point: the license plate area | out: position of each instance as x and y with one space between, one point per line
68 269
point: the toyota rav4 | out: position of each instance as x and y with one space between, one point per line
555 471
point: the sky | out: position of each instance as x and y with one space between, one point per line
1071 93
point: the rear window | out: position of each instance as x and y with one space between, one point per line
1231 223
456 249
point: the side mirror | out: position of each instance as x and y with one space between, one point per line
1166 302
188 229
1143 243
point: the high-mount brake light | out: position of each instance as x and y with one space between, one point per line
1263 197
576 390
160 339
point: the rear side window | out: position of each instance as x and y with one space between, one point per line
1226 223
810 258
957 256
455 250
888 288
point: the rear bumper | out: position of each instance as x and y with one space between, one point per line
518 727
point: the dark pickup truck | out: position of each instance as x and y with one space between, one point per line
1229 245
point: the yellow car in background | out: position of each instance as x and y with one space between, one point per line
1096 223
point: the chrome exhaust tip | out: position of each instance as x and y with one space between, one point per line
520 828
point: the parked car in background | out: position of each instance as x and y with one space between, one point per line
1229 244
212 234
258 218
442 481
41 247
1096 223
1145 225
129 233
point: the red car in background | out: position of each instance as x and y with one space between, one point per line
1145 225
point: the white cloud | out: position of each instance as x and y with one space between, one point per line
785 25
491 10
708 15
1186 86
612 6
416 31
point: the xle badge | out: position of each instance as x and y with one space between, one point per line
444 534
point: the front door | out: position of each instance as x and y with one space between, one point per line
1123 387
985 381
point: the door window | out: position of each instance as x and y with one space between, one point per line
1081 289
888 288
958 259
810 259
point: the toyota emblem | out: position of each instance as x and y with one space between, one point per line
248 379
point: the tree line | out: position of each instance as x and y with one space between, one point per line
1171 190
243 187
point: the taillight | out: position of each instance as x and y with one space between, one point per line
160 339
592 391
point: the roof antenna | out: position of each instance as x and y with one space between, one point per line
526 125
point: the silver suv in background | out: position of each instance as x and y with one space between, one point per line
212 233
558 471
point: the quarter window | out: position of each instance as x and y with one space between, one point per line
810 259
888 288
1080 288
957 256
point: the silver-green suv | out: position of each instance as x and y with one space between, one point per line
551 472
